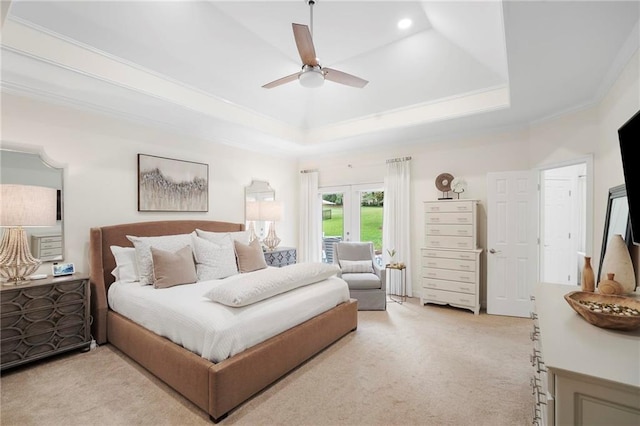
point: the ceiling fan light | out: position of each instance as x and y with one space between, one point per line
311 78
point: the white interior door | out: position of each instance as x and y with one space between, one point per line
558 255
511 242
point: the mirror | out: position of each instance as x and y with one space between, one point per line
616 220
29 168
259 190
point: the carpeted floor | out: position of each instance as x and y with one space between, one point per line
410 365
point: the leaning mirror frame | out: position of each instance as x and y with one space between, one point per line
616 221
29 165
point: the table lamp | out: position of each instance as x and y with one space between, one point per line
253 214
20 206
271 211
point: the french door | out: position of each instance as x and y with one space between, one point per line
351 213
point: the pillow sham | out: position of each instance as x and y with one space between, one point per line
126 266
171 269
143 246
241 236
250 257
356 266
214 260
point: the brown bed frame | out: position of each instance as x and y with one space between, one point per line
219 387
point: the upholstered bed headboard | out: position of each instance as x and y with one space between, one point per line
102 262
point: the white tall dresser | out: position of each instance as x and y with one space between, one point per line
451 257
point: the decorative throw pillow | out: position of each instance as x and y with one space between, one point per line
171 269
250 257
143 251
126 267
356 266
241 236
214 260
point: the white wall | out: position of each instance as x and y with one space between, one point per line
100 157
101 183
565 137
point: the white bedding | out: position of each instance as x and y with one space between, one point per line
215 331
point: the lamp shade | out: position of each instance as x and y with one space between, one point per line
253 210
271 210
26 205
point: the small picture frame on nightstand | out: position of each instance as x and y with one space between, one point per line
61 269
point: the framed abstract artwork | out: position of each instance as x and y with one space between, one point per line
168 185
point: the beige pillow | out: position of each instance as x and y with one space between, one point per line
170 269
250 257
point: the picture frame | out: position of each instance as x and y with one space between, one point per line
170 185
62 269
616 221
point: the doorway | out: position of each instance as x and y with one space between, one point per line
352 213
565 220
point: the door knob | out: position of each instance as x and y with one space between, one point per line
493 251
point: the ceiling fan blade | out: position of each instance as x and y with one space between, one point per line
343 78
305 45
281 81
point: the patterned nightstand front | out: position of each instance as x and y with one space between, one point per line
281 256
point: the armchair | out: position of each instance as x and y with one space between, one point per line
366 280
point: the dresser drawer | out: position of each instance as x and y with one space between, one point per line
452 297
450 230
447 206
448 218
16 350
449 254
446 274
454 264
40 321
462 243
42 297
468 288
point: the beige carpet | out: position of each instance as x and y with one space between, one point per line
410 365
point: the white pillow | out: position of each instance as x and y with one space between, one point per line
126 266
240 236
356 266
214 260
246 289
171 243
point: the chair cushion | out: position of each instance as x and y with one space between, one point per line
362 281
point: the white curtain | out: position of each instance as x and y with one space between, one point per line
310 244
396 223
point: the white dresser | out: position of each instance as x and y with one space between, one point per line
584 375
451 257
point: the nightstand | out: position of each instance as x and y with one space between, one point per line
43 317
281 256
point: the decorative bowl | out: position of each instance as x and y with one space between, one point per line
603 310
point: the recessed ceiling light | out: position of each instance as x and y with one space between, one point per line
405 23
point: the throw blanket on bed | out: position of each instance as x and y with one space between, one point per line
245 289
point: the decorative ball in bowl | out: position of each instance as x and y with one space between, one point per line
606 311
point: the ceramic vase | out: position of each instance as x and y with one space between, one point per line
610 286
617 261
588 281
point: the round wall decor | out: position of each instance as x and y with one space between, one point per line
443 182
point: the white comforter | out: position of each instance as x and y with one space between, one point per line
215 331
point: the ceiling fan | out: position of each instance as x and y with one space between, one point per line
312 73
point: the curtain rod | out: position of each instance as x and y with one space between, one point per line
309 171
397 160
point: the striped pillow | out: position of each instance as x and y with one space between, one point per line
356 266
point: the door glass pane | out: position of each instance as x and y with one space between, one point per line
332 223
371 220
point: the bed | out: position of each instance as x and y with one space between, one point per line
215 387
